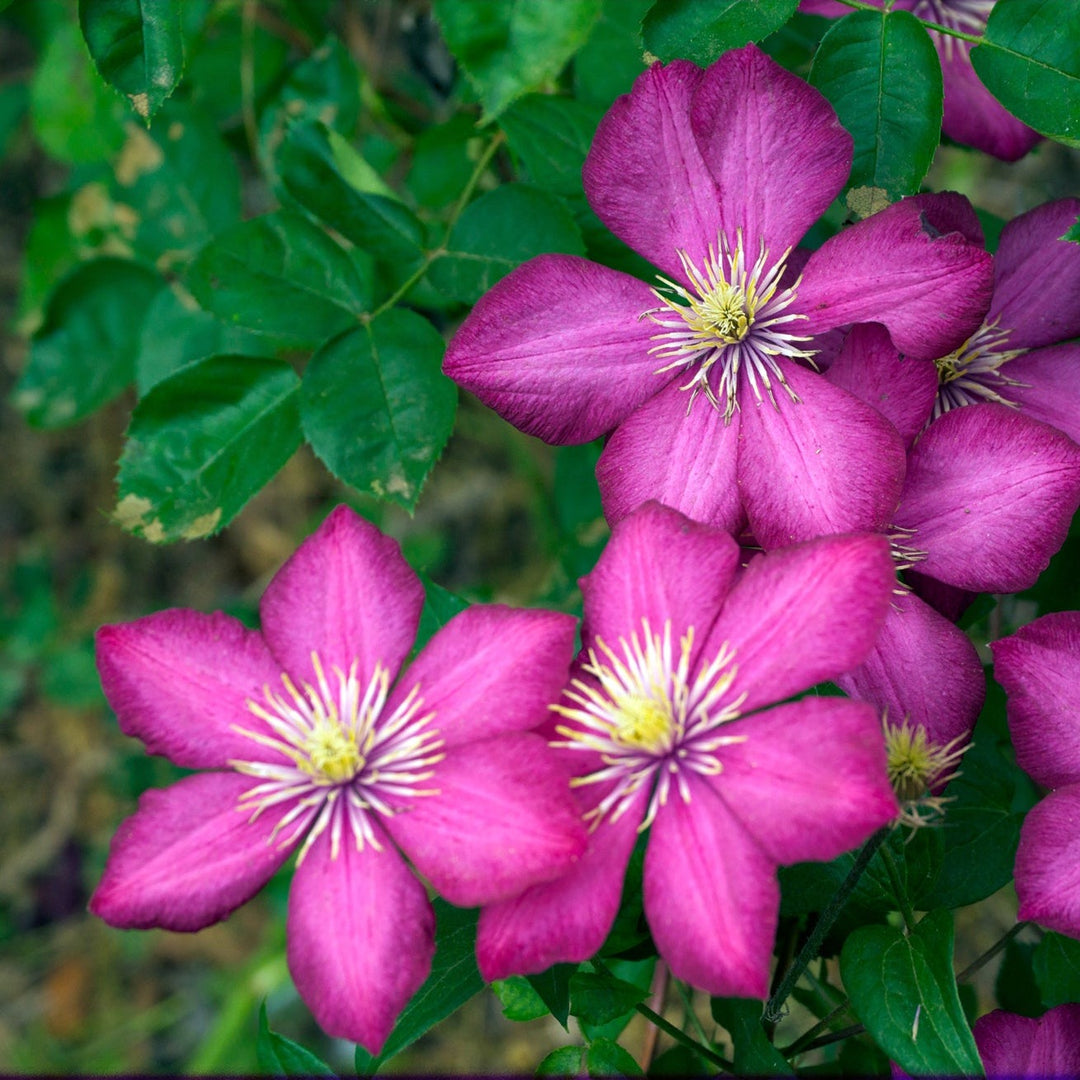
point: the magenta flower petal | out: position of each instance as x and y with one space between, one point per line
686 588
684 459
930 290
361 935
645 176
815 760
1048 862
923 669
949 211
1035 272
1039 666
181 680
775 146
902 389
945 599
827 464
565 920
989 495
559 348
1047 386
711 895
489 670
1015 1046
189 856
502 819
346 594
803 614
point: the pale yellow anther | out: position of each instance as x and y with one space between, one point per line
644 722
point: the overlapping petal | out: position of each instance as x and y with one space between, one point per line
559 348
1048 386
804 614
347 594
189 856
181 680
502 819
1048 862
1044 1046
711 895
828 463
803 764
361 935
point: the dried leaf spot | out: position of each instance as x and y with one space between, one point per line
203 525
864 201
139 156
130 513
141 104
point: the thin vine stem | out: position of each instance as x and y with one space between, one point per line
893 871
974 39
991 952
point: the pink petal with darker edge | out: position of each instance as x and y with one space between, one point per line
189 856
645 176
559 348
774 145
361 935
810 781
1048 862
896 268
711 895
347 594
828 463
685 460
990 495
804 614
922 668
1039 667
502 819
181 681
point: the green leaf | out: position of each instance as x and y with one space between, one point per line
453 980
280 274
440 606
376 407
1056 965
553 986
508 49
903 990
202 442
1016 989
551 135
565 1061
84 353
1029 61
605 1057
499 231
599 999
754 1054
700 30
1073 233
519 1001
443 160
279 1056
881 73
138 47
612 58
312 176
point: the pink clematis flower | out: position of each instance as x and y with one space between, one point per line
671 724
972 114
1020 1046
706 380
315 747
1039 666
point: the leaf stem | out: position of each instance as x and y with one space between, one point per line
991 952
899 891
975 39
809 951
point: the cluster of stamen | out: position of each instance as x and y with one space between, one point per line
972 373
730 322
648 719
968 16
904 554
345 759
918 768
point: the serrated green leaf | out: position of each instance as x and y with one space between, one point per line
519 1001
280 1056
605 1057
138 47
1030 62
565 1061
902 988
613 56
754 1054
281 275
551 135
453 980
202 442
311 176
553 986
881 73
443 160
440 606
1056 965
509 49
700 30
376 407
499 231
84 354
599 999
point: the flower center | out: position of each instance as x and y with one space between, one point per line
917 768
729 320
972 373
346 757
648 719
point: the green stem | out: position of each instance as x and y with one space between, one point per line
807 1037
809 951
991 952
859 5
898 889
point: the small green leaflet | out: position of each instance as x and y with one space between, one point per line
282 1057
